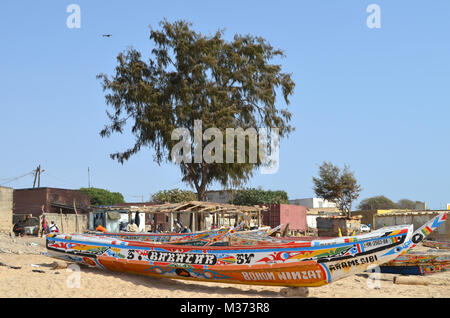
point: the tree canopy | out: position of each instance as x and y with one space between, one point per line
102 196
173 196
189 77
382 202
408 204
336 185
258 196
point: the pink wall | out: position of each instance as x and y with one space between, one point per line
295 215
278 214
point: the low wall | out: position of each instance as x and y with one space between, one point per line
6 208
417 219
68 223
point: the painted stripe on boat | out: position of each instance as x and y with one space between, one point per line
247 250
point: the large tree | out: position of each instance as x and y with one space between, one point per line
376 203
336 185
189 77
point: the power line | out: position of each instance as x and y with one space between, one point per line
17 178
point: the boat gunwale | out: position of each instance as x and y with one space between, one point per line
259 248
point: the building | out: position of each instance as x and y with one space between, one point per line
36 201
293 214
317 207
6 209
313 214
314 203
337 226
417 218
115 219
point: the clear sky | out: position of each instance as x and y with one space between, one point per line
375 99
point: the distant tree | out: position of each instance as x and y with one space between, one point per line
190 76
174 196
408 204
336 185
259 196
376 203
102 196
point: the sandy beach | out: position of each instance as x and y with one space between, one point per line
19 256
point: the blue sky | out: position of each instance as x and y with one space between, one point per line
375 99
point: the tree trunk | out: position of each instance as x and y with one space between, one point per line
201 194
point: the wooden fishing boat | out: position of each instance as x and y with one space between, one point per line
164 237
437 244
312 263
203 238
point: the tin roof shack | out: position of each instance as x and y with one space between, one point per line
367 217
336 226
6 209
293 214
198 215
35 201
115 218
313 214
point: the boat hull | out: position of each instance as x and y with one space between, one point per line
418 264
308 264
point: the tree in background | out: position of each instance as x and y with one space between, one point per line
102 196
377 203
190 76
174 196
336 185
259 196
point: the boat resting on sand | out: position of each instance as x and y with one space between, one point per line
203 238
418 263
295 264
443 244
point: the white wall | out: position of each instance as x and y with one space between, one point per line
313 203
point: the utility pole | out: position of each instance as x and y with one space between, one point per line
37 175
89 178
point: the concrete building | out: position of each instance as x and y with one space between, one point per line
314 203
219 196
6 209
417 218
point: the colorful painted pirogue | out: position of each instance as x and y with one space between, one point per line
312 263
418 263
165 237
437 244
203 238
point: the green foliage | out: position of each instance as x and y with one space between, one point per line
337 186
408 204
174 196
377 203
190 76
258 196
103 197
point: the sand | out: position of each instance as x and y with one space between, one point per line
94 283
